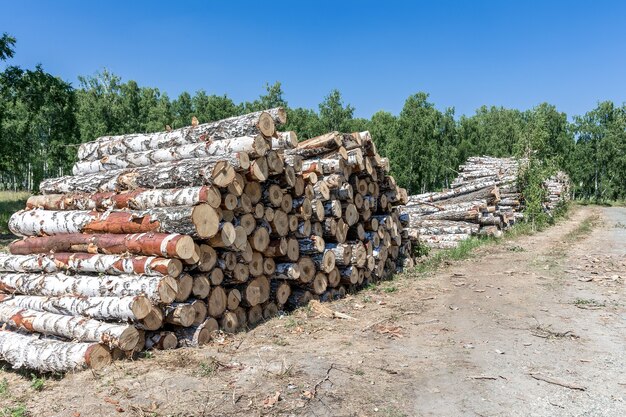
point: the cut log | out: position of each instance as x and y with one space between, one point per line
280 291
184 285
233 299
196 335
139 199
180 314
87 262
185 173
77 328
46 355
217 302
257 146
157 289
162 340
230 322
159 244
251 124
132 308
256 292
199 221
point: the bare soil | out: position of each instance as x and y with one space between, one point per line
533 326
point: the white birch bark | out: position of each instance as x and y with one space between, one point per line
197 221
94 263
157 289
247 125
254 146
130 308
47 355
175 174
76 328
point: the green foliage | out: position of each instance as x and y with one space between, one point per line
16 411
10 202
6 46
45 118
534 194
37 383
4 387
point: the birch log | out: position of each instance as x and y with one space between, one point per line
158 244
87 262
131 308
254 146
157 289
76 328
139 199
46 355
199 221
185 173
263 123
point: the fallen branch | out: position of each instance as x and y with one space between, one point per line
558 382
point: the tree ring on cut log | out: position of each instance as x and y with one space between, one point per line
307 269
293 250
217 302
168 288
141 307
128 339
223 174
266 125
230 323
185 286
185 247
206 220
97 357
255 314
154 319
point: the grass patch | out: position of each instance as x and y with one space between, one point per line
17 411
37 383
463 251
583 229
4 387
10 202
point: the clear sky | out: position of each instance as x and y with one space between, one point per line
464 53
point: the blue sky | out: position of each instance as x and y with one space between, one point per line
464 53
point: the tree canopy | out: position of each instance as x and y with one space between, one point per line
42 118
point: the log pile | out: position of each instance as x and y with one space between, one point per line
484 199
557 190
158 240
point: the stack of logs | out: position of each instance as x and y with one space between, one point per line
158 240
557 190
483 200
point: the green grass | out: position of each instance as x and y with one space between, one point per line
10 202
17 411
4 387
465 250
37 383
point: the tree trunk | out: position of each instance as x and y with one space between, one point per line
157 289
199 221
139 199
252 124
47 355
70 327
86 262
131 308
159 244
184 173
254 146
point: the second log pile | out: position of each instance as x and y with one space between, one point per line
484 199
160 239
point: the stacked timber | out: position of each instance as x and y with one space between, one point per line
158 240
484 199
557 190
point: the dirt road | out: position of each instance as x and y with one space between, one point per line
534 326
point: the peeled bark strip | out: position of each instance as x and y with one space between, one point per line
131 308
46 355
157 289
71 327
199 221
184 173
247 125
139 199
159 244
257 145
